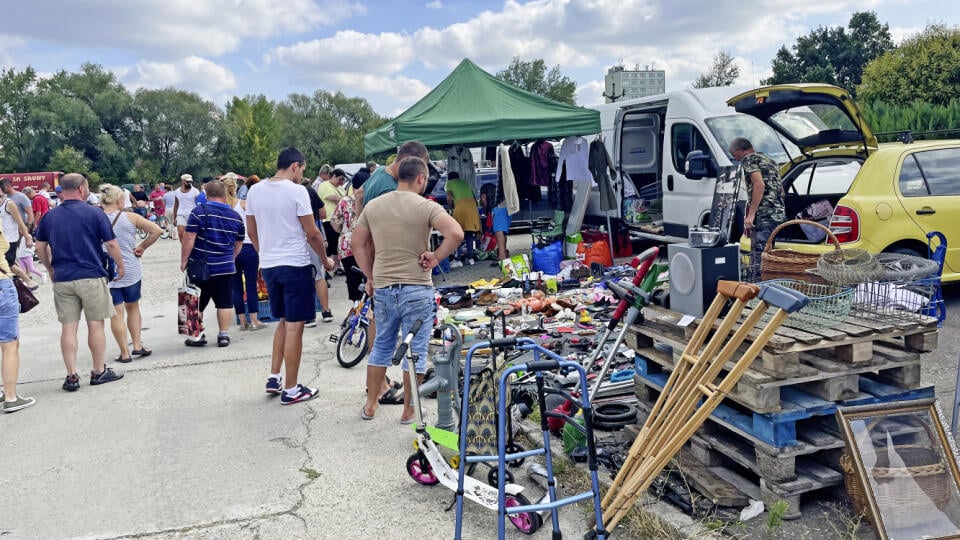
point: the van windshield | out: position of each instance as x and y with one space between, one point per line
762 136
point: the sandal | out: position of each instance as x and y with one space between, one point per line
143 351
391 397
223 341
123 360
258 326
363 413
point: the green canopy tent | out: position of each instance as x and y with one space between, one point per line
473 108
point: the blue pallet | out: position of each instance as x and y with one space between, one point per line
779 429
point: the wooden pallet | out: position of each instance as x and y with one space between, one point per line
725 468
782 432
818 375
851 341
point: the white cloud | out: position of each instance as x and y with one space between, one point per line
436 4
676 37
347 51
899 33
379 88
173 28
193 73
590 93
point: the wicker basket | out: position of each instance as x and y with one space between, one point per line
790 264
931 483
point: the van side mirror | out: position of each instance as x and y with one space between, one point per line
700 165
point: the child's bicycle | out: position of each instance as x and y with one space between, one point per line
354 330
160 220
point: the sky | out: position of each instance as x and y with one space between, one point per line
392 52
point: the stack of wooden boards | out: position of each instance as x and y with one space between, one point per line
775 437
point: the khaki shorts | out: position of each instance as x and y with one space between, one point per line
181 221
91 296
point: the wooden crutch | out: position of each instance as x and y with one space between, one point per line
787 301
649 434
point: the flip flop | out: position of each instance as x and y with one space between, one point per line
408 421
363 413
123 360
141 352
258 326
391 397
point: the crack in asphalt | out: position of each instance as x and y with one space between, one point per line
253 523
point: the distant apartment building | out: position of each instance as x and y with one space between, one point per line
621 83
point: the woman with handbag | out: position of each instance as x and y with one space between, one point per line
126 290
10 338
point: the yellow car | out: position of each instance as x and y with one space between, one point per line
882 197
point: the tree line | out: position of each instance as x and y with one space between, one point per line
88 122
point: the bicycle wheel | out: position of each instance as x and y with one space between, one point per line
352 345
164 226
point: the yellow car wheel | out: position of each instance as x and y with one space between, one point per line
454 461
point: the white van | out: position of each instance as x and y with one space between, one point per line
649 139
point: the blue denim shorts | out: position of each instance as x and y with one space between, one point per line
395 309
9 311
126 295
291 292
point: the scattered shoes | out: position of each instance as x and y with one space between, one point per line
391 397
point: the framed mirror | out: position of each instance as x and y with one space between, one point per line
901 469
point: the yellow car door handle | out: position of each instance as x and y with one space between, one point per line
926 211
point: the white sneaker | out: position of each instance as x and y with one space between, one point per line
455 264
471 262
310 324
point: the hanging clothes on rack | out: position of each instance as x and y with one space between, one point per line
460 161
600 164
573 171
541 172
508 181
520 164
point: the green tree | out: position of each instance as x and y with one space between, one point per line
18 90
723 72
71 160
533 76
251 136
834 55
178 129
924 68
326 127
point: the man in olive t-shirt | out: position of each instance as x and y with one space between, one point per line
391 246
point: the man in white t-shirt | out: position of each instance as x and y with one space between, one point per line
281 226
184 201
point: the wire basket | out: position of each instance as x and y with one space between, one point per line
829 304
898 302
903 295
850 266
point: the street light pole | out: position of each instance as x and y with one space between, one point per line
613 96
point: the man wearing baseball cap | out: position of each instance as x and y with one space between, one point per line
185 200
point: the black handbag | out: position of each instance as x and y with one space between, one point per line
198 271
27 300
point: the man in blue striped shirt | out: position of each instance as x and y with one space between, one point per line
216 231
